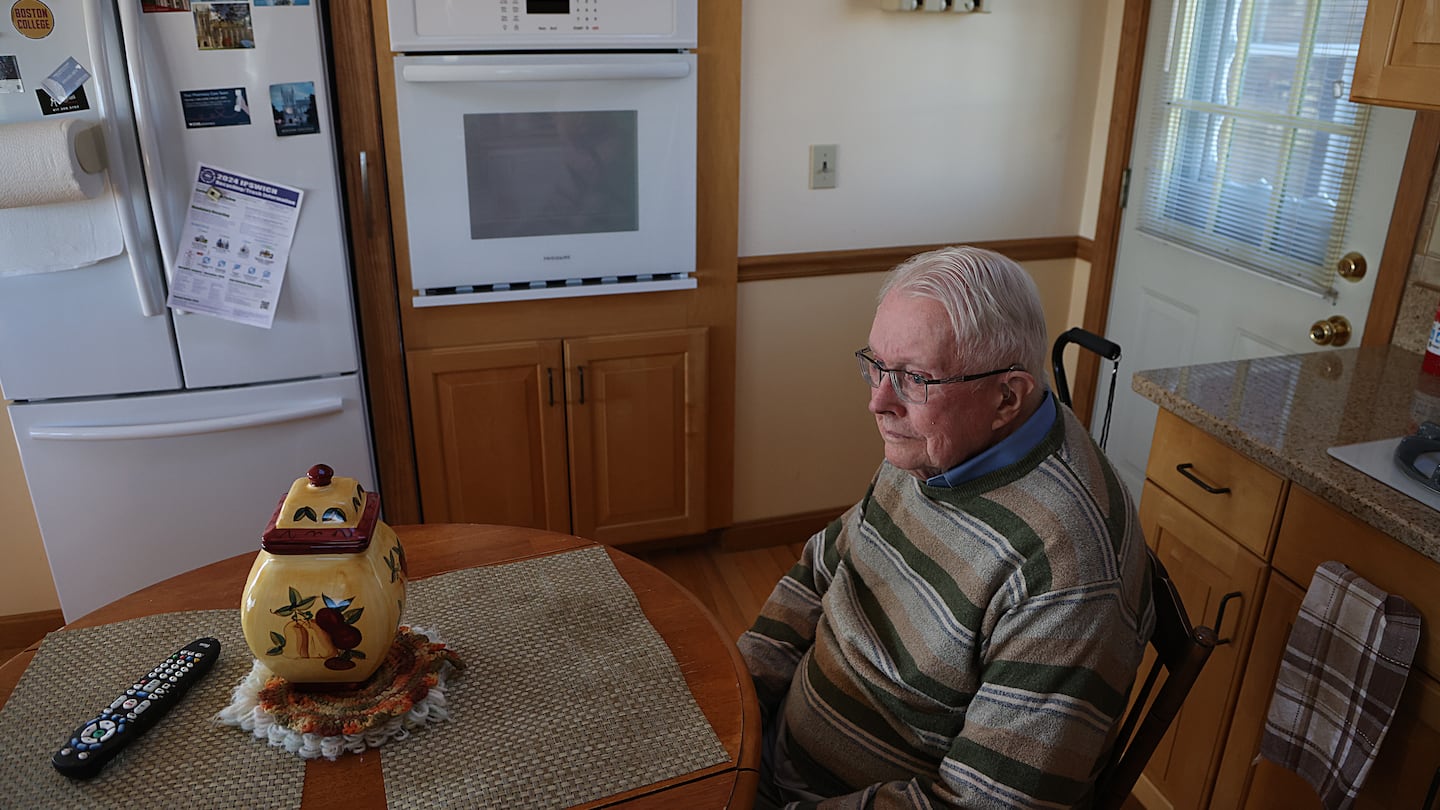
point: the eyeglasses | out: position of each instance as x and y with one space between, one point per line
914 388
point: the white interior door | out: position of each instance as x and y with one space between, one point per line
1173 304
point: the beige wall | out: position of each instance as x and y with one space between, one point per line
25 584
951 128
803 439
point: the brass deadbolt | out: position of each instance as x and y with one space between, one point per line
1351 266
1333 331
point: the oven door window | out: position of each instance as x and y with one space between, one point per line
552 173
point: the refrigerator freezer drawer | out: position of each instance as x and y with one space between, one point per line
80 333
132 491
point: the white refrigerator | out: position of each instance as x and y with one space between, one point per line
155 441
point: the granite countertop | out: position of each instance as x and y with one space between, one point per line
1285 412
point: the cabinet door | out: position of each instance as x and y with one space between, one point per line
1406 772
636 407
1206 565
1399 59
490 434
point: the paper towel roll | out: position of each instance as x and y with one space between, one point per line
40 163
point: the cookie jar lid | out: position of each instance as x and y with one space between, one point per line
323 513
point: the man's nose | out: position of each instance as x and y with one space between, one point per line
883 397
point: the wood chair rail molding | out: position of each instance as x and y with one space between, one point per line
878 260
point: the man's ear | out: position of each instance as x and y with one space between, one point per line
1016 393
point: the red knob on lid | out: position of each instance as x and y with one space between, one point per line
320 475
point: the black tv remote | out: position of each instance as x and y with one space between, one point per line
131 714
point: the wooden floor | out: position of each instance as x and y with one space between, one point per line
733 584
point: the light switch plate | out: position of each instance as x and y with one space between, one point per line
822 165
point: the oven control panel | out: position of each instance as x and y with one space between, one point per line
483 25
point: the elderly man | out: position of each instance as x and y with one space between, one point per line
966 635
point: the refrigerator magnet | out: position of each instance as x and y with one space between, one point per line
293 105
152 6
259 3
76 102
218 107
10 75
223 26
32 19
63 81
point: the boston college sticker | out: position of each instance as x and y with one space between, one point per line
32 18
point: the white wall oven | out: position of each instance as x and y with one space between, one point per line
547 146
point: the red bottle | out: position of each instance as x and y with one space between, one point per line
1432 348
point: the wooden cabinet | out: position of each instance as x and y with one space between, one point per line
1399 59
1209 568
1210 514
600 436
1215 518
1407 771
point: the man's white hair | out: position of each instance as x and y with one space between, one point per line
993 304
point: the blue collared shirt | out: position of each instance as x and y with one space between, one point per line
1005 452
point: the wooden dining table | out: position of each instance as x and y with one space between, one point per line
707 657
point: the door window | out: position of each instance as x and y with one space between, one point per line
1258 141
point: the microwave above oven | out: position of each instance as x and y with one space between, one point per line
547 175
549 25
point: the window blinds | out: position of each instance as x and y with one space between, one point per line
1256 144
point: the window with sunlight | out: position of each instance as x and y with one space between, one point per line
1257 142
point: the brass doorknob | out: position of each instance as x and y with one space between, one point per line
1351 266
1333 331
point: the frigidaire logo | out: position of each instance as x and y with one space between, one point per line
564 258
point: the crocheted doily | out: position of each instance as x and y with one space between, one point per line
406 693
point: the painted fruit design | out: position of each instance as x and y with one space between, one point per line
328 633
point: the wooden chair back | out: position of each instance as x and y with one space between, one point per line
1181 651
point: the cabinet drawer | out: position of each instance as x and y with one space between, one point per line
1185 462
1313 531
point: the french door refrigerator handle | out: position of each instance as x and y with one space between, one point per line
675 69
147 276
164 430
130 31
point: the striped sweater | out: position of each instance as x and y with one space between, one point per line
962 647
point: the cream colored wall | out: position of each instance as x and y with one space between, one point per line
25 584
803 439
950 128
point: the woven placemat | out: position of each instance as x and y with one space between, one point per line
568 695
186 761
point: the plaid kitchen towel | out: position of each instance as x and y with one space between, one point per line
1345 665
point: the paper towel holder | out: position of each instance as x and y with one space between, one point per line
90 149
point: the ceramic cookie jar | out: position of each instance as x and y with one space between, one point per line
325 594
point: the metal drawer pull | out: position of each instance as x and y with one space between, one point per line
550 381
581 369
1184 469
1220 614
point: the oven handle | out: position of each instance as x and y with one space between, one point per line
545 73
